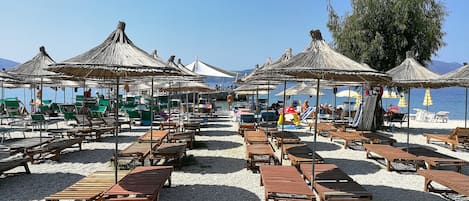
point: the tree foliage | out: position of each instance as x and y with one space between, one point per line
380 32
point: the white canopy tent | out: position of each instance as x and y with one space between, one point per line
205 69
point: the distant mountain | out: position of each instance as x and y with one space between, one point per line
442 67
5 63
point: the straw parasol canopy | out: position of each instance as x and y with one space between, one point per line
254 87
36 67
116 57
410 73
319 61
188 86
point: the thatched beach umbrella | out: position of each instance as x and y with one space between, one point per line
411 74
115 58
319 61
34 70
459 77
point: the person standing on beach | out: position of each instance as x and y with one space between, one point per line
229 99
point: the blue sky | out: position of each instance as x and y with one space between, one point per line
232 34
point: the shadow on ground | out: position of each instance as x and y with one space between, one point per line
216 145
83 156
324 146
206 192
218 133
390 193
354 167
219 126
27 187
212 165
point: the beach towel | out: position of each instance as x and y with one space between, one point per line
307 113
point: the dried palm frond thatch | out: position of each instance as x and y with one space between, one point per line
36 67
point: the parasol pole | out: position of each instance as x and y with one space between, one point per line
151 119
465 112
313 166
40 107
408 119
116 117
268 95
283 114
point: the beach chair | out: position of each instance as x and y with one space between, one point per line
187 137
284 137
457 137
137 151
255 137
284 183
435 159
52 149
323 127
348 137
453 180
300 153
259 154
442 116
170 152
392 154
158 136
8 162
12 108
89 188
40 120
171 126
331 183
141 184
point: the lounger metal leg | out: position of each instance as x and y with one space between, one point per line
388 164
426 184
26 168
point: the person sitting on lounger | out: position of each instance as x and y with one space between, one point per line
392 109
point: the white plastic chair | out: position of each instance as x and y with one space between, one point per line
442 116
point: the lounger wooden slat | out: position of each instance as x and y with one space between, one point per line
88 188
242 127
455 181
435 159
391 154
53 148
457 137
142 183
170 126
350 190
323 127
259 153
301 153
158 136
284 183
324 172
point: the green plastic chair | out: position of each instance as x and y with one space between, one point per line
79 98
12 107
104 102
46 102
146 118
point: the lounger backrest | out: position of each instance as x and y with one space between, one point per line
461 134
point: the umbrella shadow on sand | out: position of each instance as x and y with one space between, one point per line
354 167
212 165
391 193
216 145
218 133
87 156
206 192
35 186
219 126
324 146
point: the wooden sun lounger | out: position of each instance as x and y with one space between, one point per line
324 172
242 127
268 130
171 151
255 137
158 136
191 126
284 183
20 145
138 151
350 190
285 138
323 127
95 132
348 137
301 153
54 148
453 180
259 153
331 183
8 162
142 183
187 136
457 137
88 188
392 154
170 126
435 159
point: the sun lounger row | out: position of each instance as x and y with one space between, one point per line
360 137
258 150
415 156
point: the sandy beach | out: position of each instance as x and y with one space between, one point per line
216 170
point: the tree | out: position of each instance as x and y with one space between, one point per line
380 32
